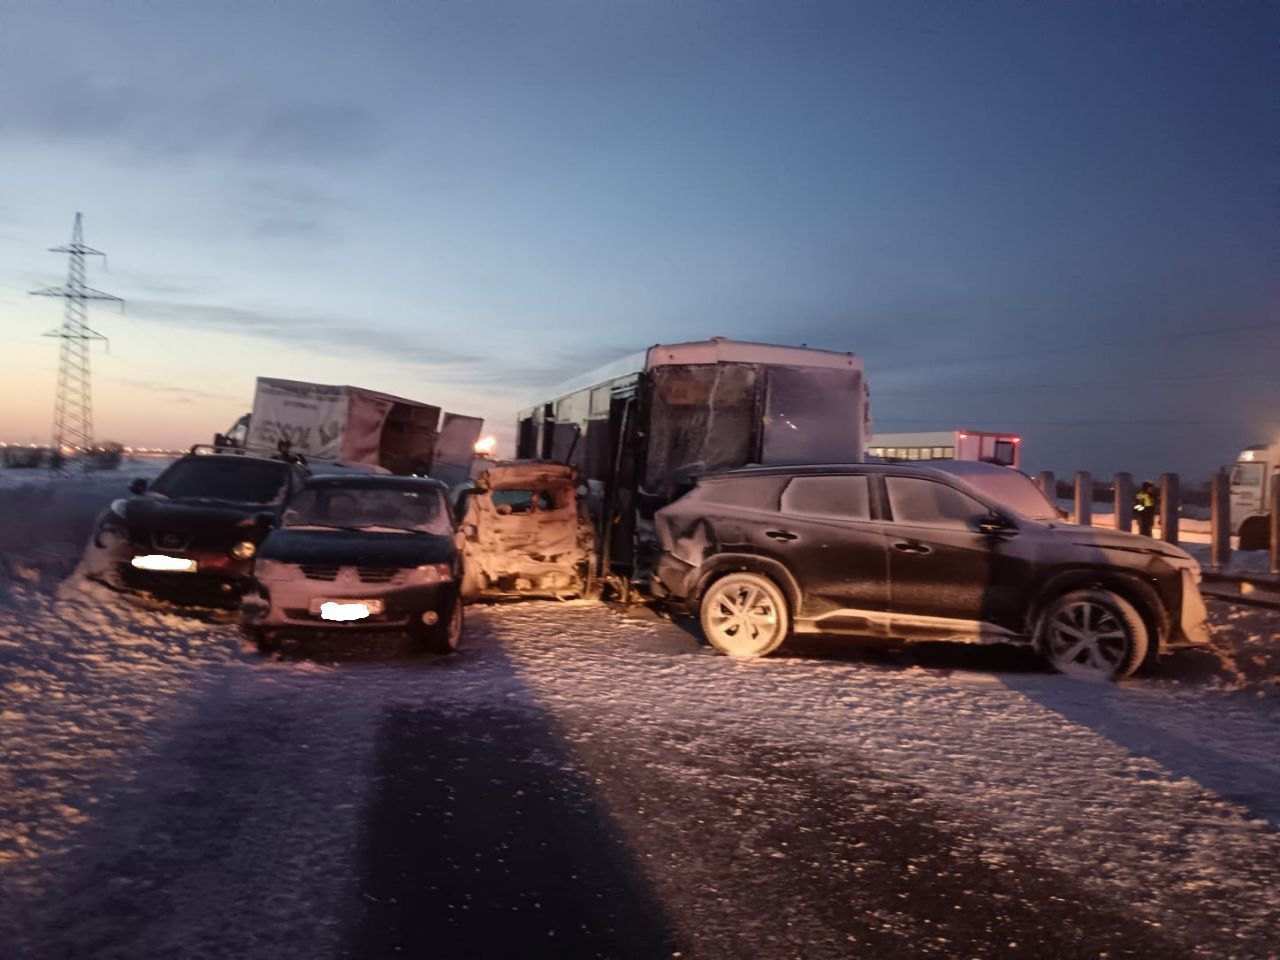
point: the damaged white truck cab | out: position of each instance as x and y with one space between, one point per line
1252 478
524 532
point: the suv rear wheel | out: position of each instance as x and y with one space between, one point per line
1094 634
744 615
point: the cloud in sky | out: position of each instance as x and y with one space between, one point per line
178 394
159 123
318 333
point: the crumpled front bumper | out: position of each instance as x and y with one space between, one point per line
1192 628
219 579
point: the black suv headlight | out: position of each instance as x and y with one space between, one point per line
111 528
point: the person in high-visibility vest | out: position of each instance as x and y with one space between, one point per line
1144 507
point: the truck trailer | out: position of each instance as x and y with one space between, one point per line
986 446
355 425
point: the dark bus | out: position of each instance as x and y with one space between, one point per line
642 429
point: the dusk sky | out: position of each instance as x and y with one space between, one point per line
1059 219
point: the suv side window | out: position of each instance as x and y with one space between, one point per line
916 500
754 493
838 497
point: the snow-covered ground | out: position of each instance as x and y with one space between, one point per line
158 778
145 467
45 518
586 781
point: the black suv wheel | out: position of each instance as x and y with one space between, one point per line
1094 634
744 615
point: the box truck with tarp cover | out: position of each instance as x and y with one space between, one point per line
356 425
641 430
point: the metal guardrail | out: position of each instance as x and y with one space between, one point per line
1254 589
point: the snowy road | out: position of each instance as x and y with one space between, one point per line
578 783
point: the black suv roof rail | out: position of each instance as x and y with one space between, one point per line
214 450
203 449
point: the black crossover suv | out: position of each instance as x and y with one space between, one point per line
360 552
192 535
956 551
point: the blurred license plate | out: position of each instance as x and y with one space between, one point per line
346 610
157 561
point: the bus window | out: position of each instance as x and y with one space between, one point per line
949 453
600 402
1004 452
701 418
548 430
527 440
812 415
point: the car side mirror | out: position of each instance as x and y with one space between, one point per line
138 486
996 525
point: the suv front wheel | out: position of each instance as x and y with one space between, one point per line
744 615
1094 634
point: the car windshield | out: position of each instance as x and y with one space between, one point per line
224 478
1014 491
370 508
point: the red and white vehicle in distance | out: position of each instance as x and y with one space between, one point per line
985 446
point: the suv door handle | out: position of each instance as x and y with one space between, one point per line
912 546
783 535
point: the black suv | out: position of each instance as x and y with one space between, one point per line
956 551
192 535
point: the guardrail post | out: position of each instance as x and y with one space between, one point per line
1275 526
1084 498
1123 488
1220 521
1170 494
1048 485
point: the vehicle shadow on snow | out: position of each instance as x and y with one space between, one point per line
1137 717
484 837
1190 666
895 654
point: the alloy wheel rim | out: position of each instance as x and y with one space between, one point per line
743 617
1087 638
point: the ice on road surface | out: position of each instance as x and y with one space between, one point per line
580 781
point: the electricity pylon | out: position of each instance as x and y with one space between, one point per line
73 407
